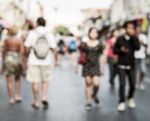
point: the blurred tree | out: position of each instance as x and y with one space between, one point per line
62 30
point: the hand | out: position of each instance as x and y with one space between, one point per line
103 60
124 49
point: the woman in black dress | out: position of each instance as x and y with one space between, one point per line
91 69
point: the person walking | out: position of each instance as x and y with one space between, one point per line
91 67
41 44
125 47
111 57
140 56
12 64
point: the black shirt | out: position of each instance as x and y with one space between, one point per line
132 44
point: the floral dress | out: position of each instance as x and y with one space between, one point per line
92 66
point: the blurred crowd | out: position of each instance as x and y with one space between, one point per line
25 51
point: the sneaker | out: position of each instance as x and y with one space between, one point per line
89 107
131 103
121 107
142 87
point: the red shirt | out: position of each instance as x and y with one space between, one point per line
111 44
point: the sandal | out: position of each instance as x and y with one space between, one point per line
45 104
35 106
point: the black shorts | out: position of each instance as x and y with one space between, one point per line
61 52
72 51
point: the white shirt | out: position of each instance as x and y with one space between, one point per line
141 54
30 42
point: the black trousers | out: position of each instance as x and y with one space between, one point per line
122 83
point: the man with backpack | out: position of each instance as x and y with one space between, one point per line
40 44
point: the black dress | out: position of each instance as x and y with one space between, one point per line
92 66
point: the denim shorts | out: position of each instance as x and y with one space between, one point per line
141 65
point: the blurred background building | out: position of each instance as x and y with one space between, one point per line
76 14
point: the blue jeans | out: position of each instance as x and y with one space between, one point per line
112 70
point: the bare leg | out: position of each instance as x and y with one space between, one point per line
44 90
88 89
96 82
36 93
18 87
59 59
10 88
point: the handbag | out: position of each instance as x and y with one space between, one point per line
83 55
82 59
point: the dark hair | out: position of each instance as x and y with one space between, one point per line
30 27
129 23
90 30
112 33
41 21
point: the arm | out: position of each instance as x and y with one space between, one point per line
105 53
22 47
143 40
22 52
3 55
53 46
55 53
28 44
136 43
117 47
107 47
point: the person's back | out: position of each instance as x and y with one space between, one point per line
13 44
31 42
41 43
12 67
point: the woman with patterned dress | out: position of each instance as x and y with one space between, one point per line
91 69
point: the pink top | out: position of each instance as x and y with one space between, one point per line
111 47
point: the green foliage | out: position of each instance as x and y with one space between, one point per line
62 30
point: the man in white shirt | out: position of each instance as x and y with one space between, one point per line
39 67
140 56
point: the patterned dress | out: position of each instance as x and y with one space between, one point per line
92 66
12 64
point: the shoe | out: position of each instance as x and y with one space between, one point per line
96 100
111 84
89 107
35 106
142 87
18 99
121 107
45 104
131 103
